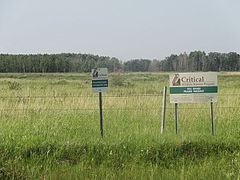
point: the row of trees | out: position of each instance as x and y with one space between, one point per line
195 61
200 61
56 63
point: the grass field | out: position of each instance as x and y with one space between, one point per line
49 129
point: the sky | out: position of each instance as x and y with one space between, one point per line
126 29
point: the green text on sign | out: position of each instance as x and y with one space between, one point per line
99 83
190 90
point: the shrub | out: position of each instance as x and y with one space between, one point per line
14 85
119 80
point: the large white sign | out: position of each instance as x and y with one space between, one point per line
200 87
99 79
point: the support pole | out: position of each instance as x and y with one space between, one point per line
163 109
101 115
212 117
176 117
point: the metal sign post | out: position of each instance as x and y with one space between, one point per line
101 115
176 117
100 84
163 108
212 117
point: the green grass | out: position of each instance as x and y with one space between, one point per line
50 129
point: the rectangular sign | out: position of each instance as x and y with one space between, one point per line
99 79
200 87
99 83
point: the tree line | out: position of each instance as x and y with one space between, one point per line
67 62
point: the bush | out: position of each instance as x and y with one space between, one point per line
14 85
120 80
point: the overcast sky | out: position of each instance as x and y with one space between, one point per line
124 29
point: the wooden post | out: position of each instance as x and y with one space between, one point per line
212 117
163 109
176 117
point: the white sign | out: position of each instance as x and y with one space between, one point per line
99 79
200 87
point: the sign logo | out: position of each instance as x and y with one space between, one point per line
176 80
95 73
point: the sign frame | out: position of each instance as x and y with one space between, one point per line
99 79
196 87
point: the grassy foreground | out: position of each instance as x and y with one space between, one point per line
50 130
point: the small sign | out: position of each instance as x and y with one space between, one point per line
193 87
99 79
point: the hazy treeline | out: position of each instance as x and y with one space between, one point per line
56 63
200 61
195 61
66 62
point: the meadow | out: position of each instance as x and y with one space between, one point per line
49 129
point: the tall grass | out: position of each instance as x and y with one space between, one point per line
50 129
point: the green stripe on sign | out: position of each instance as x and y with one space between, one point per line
99 83
191 90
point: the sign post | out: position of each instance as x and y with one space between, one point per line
176 117
163 108
101 116
200 87
212 117
100 84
